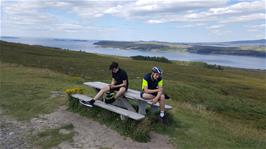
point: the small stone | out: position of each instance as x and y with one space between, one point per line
64 131
11 133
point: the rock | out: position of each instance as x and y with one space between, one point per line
64 131
11 133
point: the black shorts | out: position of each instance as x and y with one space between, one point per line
154 94
116 89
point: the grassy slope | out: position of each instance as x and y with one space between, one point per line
212 108
28 92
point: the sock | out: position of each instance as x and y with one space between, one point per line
92 101
162 114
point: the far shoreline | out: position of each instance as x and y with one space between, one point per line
129 57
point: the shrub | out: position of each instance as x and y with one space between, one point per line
154 58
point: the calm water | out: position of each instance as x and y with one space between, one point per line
88 46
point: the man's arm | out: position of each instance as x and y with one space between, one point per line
146 90
160 88
113 81
124 84
145 87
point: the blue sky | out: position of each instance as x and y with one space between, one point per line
162 20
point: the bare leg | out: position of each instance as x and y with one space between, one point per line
120 92
162 102
158 96
101 92
147 96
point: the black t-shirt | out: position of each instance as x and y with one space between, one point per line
120 76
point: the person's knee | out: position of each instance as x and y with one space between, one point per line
160 92
162 97
122 89
105 89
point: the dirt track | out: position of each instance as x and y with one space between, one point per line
88 133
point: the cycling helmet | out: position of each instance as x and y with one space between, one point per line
157 70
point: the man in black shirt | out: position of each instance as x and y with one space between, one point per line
119 83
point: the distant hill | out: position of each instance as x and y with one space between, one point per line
8 37
254 48
208 50
261 42
131 45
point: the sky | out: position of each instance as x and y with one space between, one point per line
134 20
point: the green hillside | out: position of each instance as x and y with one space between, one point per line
213 108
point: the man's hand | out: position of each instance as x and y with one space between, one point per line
154 101
160 89
111 86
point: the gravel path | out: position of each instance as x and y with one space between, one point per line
13 134
88 133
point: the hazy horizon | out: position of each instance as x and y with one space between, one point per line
126 40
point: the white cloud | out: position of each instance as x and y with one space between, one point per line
215 26
68 27
243 7
151 11
155 21
157 11
150 8
42 14
244 10
191 25
245 18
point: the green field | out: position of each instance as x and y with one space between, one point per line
213 108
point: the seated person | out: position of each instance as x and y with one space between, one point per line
152 88
119 83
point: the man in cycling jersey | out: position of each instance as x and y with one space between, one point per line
152 89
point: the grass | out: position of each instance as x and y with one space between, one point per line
28 92
137 130
213 108
199 128
52 137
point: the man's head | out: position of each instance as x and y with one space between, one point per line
156 72
114 67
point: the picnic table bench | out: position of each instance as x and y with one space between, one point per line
110 107
122 105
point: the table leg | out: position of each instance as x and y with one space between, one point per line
142 107
154 108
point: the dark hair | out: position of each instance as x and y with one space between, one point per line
113 65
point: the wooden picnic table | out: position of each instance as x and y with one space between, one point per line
122 105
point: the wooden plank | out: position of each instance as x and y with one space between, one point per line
123 102
130 114
131 94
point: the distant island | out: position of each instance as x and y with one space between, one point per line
256 48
